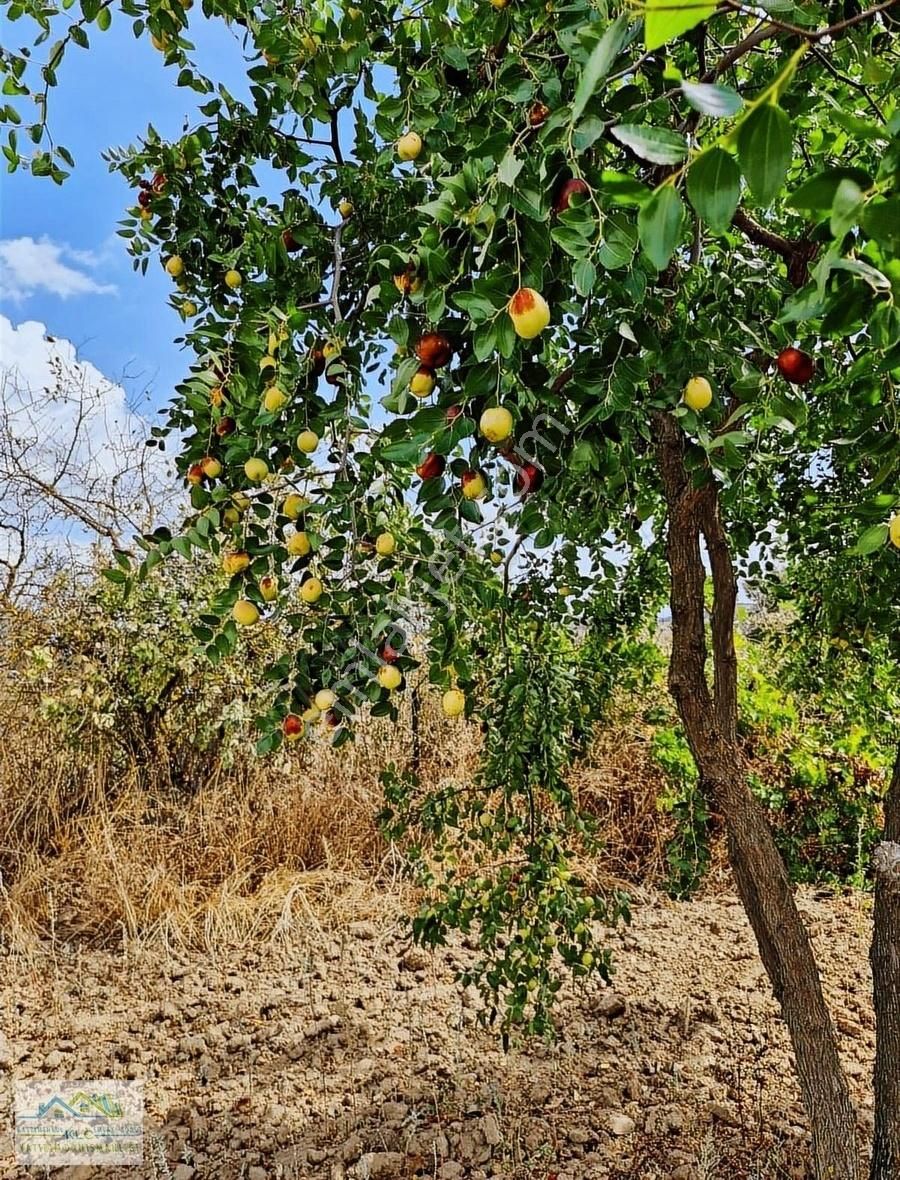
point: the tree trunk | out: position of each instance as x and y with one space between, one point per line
709 716
885 959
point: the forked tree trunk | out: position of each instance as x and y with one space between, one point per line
709 716
885 958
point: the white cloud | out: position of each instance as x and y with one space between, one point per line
73 464
28 266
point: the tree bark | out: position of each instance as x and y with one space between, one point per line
709 715
885 959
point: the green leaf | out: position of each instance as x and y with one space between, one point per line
599 64
470 511
807 304
764 150
621 189
659 225
873 538
619 242
667 19
712 99
845 208
714 188
478 307
881 221
104 19
656 144
510 167
587 133
485 341
116 576
878 281
570 240
401 452
584 275
818 192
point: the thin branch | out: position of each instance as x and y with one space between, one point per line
334 298
797 253
335 138
848 81
509 559
771 28
814 35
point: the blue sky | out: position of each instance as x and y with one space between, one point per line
118 320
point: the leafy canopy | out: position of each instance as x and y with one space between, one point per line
739 195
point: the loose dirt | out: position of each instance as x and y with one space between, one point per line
350 1056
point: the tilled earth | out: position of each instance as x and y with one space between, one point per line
354 1057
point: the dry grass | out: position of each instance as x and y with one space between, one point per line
94 850
119 837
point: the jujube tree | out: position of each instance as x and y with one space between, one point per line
556 277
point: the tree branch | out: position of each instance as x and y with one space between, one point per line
797 253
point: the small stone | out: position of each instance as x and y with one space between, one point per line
380 1165
257 1173
450 1170
416 959
609 1005
184 1172
367 931
720 1113
491 1130
619 1124
394 1112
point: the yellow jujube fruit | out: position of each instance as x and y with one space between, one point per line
422 382
175 266
293 505
235 563
453 703
311 591
385 544
697 394
307 441
894 530
233 279
256 469
473 487
409 146
324 699
496 424
389 677
274 399
298 544
529 313
245 613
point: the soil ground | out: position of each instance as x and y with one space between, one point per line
350 1056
